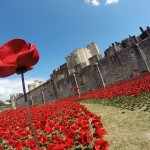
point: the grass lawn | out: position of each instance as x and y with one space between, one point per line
128 129
2 108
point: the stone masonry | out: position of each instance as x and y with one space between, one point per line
118 63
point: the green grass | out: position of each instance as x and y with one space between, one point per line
141 101
2 108
126 119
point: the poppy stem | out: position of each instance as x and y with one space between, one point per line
76 84
28 112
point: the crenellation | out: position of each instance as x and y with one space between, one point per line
148 31
64 70
34 85
81 56
145 34
142 30
92 71
110 51
128 42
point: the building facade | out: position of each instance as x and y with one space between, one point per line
81 57
34 85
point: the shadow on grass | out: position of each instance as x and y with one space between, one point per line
141 101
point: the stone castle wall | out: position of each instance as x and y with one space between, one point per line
115 66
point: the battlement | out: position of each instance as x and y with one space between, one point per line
80 57
89 55
119 63
131 41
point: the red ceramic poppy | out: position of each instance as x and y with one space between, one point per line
17 56
76 89
100 144
136 69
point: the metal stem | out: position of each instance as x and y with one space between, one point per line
28 112
100 75
43 97
76 84
32 101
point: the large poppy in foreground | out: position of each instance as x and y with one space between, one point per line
17 56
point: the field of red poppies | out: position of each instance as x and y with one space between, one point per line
65 124
60 126
129 87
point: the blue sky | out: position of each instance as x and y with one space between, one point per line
57 27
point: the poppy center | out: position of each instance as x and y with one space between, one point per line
21 69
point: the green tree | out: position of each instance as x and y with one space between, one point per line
2 103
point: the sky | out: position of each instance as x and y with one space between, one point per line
58 27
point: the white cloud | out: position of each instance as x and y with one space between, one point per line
10 86
93 2
108 2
